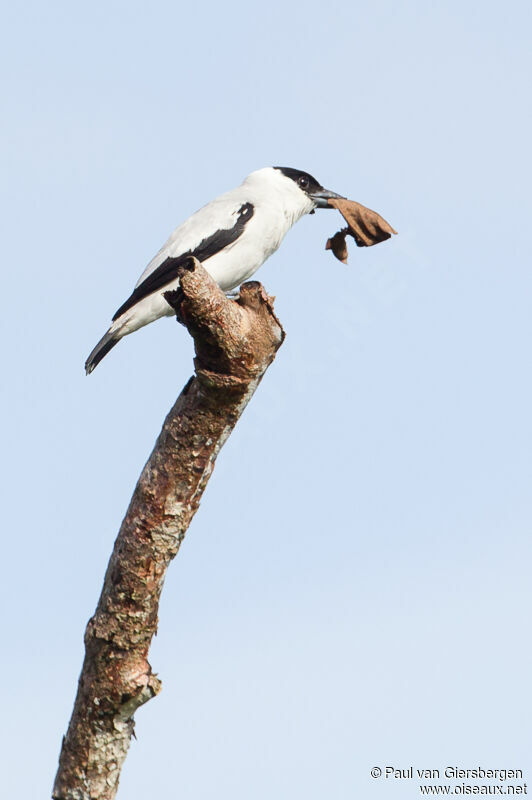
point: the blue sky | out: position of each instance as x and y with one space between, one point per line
354 590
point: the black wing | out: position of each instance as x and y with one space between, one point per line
167 271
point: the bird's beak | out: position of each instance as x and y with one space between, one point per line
320 197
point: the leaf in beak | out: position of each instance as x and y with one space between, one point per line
364 225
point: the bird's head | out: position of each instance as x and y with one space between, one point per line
297 191
307 186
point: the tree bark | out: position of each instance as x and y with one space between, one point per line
235 342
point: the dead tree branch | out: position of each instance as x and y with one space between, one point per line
235 342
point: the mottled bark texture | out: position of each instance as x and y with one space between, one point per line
235 342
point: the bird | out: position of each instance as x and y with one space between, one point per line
232 236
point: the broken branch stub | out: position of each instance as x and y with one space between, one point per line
235 342
364 225
236 338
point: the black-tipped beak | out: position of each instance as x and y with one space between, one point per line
322 195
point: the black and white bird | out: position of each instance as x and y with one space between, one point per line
232 236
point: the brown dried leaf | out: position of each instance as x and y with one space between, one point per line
365 226
338 245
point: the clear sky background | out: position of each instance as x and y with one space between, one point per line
355 588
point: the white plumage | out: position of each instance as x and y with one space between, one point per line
232 236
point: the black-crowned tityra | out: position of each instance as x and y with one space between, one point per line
232 236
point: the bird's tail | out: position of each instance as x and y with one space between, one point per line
105 344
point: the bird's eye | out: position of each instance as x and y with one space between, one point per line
303 182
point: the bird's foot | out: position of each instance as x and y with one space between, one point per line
175 299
